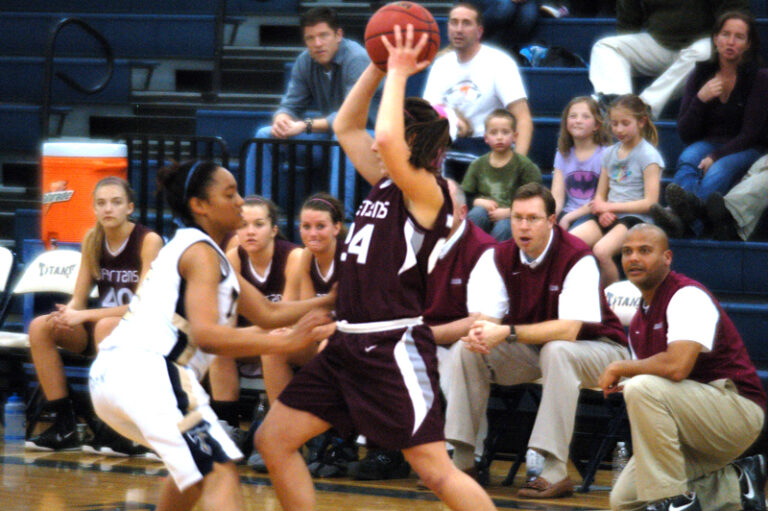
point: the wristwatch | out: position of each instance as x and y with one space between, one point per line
512 337
308 122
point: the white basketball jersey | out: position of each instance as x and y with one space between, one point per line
156 319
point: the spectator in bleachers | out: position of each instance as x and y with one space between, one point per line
578 160
473 79
629 183
321 78
492 179
508 23
557 327
736 215
265 259
659 39
693 396
116 256
723 118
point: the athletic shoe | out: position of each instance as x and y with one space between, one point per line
685 204
336 460
238 436
55 438
378 465
604 101
681 502
256 462
108 442
723 224
752 476
667 220
554 11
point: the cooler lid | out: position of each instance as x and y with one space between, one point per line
87 149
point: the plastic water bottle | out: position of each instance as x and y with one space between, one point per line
620 459
15 418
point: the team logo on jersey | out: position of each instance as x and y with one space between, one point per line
58 193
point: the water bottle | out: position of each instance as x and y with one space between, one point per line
620 459
15 418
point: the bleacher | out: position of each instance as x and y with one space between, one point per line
166 57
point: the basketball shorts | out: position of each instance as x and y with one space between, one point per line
161 405
383 385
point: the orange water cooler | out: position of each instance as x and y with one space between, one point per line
70 170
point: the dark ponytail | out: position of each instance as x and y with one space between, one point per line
182 181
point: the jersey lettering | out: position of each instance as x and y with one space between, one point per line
359 242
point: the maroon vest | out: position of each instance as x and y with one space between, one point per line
323 287
447 284
728 357
273 287
119 275
386 257
534 293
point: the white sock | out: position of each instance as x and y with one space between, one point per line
534 463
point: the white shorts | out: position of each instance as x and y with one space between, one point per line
161 405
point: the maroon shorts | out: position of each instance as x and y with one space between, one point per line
382 385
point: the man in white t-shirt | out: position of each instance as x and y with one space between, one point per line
475 79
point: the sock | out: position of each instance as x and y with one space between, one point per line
65 413
227 411
463 456
534 463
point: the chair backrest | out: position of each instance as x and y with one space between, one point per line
6 267
53 271
624 298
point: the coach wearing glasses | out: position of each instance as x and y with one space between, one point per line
558 327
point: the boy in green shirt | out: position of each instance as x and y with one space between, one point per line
492 179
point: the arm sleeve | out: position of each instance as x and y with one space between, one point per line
432 92
353 67
629 16
650 156
531 173
298 96
469 183
692 316
580 297
755 119
690 122
507 81
486 292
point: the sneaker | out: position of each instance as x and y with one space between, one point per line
55 438
378 465
554 11
685 204
604 101
683 502
752 477
336 460
238 436
109 443
256 462
723 224
667 220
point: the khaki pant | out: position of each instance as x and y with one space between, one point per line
563 366
684 434
748 199
614 60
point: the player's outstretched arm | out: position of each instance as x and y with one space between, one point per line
349 125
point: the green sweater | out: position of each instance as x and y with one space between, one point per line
499 183
674 24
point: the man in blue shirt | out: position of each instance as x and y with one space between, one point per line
320 79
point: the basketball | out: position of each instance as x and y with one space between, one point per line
400 13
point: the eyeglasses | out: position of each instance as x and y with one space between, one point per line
530 220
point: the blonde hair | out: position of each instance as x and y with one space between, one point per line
93 242
565 140
640 111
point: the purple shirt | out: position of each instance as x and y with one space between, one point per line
580 177
273 287
387 257
728 357
322 286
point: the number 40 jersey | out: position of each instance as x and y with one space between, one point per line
387 257
119 272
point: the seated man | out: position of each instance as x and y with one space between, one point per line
660 39
474 79
558 328
320 79
693 398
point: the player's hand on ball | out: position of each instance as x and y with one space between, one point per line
403 55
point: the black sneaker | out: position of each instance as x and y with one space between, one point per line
723 224
752 476
683 502
685 204
110 443
604 101
55 438
667 220
378 465
337 458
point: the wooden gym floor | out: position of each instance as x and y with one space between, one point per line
33 480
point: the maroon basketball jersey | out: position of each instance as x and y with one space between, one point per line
321 285
119 274
387 257
274 285
728 357
447 289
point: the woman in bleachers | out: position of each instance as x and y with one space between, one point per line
116 256
629 183
265 259
578 160
723 118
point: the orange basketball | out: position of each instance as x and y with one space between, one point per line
400 13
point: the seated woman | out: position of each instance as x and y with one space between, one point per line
116 256
723 118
